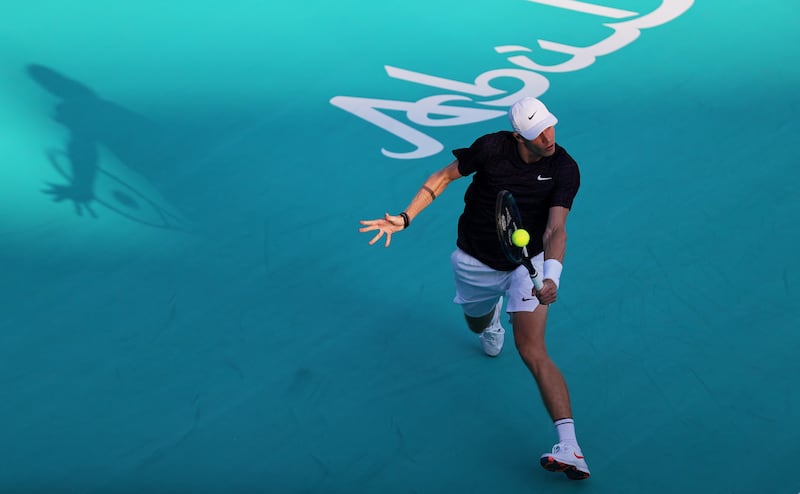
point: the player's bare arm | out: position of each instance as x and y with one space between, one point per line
555 246
430 190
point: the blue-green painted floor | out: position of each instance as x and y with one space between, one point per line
187 305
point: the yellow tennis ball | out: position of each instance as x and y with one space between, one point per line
520 237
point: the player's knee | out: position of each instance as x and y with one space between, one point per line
534 355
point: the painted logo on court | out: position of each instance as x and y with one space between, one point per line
491 102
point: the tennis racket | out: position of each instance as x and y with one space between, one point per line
508 220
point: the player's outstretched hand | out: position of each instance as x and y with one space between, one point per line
387 225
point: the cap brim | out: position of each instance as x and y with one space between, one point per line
533 132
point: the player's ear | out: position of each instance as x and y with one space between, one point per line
518 137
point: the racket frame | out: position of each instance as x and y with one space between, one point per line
508 220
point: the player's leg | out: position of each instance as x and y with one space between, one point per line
529 319
479 291
529 329
480 323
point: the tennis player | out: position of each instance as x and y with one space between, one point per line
544 180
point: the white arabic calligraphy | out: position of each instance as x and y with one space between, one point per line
534 84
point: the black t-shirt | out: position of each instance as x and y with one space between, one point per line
495 161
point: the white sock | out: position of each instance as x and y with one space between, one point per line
566 432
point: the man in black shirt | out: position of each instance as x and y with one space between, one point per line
544 180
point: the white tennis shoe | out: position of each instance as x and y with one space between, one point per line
568 459
492 341
492 338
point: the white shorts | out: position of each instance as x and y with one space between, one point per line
479 287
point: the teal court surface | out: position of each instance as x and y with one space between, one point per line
188 306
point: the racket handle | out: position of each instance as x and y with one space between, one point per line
536 278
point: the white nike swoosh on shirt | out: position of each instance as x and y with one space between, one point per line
541 178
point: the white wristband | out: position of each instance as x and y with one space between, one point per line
552 270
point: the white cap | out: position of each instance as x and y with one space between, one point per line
529 117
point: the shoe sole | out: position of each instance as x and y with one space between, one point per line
552 465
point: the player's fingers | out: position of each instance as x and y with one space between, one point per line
376 238
388 239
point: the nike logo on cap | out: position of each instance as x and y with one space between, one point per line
531 117
577 455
